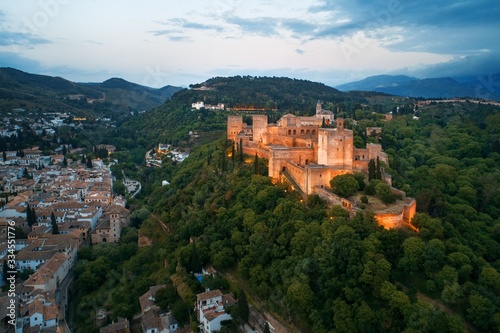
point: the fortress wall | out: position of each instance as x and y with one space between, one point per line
361 154
317 176
360 165
287 141
261 153
298 174
280 156
387 178
400 193
389 221
333 199
375 150
409 210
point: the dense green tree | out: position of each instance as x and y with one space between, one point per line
384 193
166 296
480 311
413 249
119 188
344 185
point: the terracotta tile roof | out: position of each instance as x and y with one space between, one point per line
147 300
213 313
151 319
228 300
209 294
121 326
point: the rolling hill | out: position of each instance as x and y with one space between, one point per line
114 98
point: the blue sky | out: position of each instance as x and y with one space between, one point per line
155 43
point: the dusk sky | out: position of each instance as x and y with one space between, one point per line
156 43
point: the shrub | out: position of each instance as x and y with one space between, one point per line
364 199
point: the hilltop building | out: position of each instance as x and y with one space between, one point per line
309 154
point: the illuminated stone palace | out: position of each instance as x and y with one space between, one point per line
308 155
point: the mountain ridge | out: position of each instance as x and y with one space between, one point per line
35 92
442 87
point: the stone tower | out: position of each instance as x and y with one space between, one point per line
259 128
336 146
115 227
234 126
319 108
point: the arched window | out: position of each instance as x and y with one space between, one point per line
301 132
314 132
289 132
294 132
308 132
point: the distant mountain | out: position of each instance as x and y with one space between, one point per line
114 98
401 85
378 81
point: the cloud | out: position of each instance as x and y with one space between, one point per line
263 26
469 66
179 38
10 38
164 32
445 27
186 24
299 51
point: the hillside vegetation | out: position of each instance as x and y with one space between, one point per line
115 98
313 266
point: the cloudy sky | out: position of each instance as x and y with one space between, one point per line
160 42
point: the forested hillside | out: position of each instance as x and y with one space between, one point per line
311 265
115 98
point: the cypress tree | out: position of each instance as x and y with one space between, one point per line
33 216
371 170
195 261
240 150
55 228
28 216
378 173
243 310
256 162
89 163
233 155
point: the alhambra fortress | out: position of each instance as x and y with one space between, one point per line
308 155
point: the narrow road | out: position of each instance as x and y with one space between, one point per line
62 299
